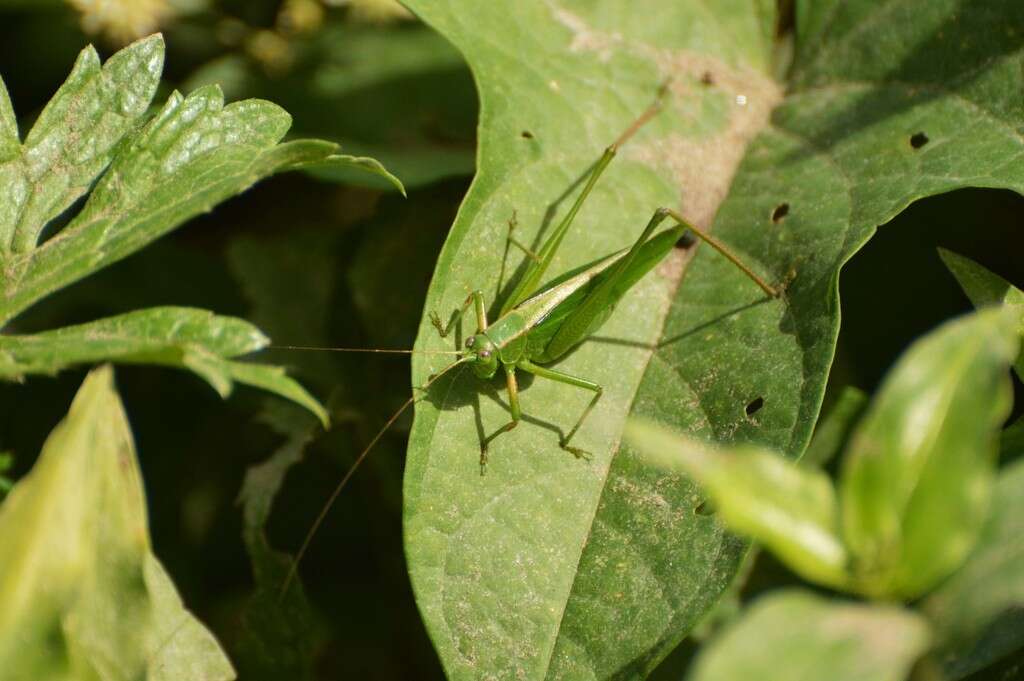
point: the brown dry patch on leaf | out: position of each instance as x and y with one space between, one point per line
704 167
586 39
672 266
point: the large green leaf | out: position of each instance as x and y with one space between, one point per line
553 567
84 596
798 636
917 475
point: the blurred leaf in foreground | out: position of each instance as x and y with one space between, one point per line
796 636
789 508
832 430
84 596
990 583
917 475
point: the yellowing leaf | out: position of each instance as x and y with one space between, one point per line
84 597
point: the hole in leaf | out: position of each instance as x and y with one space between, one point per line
755 406
685 242
526 135
780 212
707 78
918 140
704 508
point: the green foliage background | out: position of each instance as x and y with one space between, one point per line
319 263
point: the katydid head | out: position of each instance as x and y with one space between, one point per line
484 354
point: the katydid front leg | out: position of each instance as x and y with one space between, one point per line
476 298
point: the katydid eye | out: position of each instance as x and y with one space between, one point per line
471 341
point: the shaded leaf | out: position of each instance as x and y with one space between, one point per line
990 583
172 336
916 478
552 567
789 508
400 94
410 234
84 596
6 484
1011 442
797 636
278 635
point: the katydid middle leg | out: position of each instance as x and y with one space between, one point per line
569 379
513 405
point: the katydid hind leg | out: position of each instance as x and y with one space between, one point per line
531 278
647 251
594 310
772 291
578 382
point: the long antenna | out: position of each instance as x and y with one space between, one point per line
293 570
397 352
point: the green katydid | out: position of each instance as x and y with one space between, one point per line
538 325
